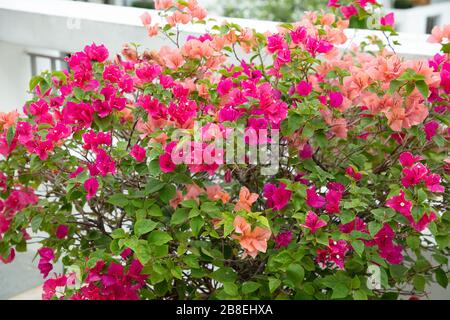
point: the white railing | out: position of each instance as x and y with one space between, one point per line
52 26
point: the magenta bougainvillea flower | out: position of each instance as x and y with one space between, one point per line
313 223
45 262
388 20
91 187
283 239
61 231
138 153
430 129
313 199
277 197
350 171
334 253
400 204
408 160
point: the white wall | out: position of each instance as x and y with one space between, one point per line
14 76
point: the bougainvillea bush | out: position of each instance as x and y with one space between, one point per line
114 165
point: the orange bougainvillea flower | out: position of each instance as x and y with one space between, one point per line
8 119
246 199
252 241
176 200
147 128
193 191
171 57
216 192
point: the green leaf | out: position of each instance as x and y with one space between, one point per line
153 186
144 226
34 81
393 86
158 237
167 193
423 88
179 216
441 278
397 271
224 274
143 253
296 274
359 295
36 223
419 282
118 234
358 245
155 211
230 288
196 224
10 135
374 227
118 200
340 291
250 286
274 283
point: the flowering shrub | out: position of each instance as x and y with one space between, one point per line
121 165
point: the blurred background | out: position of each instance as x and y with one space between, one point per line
36 35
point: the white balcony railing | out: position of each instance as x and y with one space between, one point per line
50 27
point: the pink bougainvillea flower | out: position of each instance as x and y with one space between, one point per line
9 258
408 160
430 129
91 187
424 221
349 11
414 175
275 43
400 204
138 153
313 223
96 53
303 88
92 140
336 99
246 200
336 186
388 20
126 253
306 152
333 199
350 171
433 183
445 77
166 164
313 199
277 197
298 35
61 231
253 241
334 253
333 4
47 255
388 250
357 224
49 289
283 239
